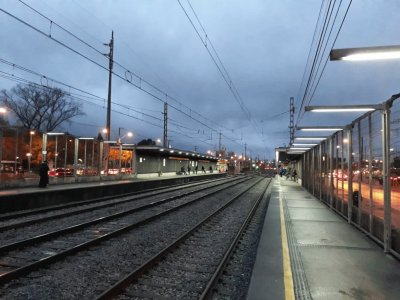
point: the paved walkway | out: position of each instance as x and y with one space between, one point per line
309 252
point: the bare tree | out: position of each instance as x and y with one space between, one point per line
40 108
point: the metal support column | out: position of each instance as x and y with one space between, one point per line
76 158
320 170
360 159
371 203
44 147
387 232
332 180
350 174
100 168
165 125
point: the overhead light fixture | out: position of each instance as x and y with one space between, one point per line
366 53
301 145
300 148
310 138
320 128
344 108
296 152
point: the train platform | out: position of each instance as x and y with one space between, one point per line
74 185
307 251
33 197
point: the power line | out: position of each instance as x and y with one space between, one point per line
78 97
313 81
219 64
128 73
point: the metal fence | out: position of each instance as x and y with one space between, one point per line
357 173
22 151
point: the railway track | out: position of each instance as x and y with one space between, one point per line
189 267
55 251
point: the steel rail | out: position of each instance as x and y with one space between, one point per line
207 293
70 229
24 213
142 269
6 277
72 213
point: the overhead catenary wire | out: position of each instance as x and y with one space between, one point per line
163 98
219 64
91 97
123 78
127 71
315 59
314 82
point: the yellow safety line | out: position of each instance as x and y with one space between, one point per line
287 269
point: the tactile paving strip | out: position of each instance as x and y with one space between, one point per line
301 288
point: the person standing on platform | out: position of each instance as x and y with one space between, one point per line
44 174
202 169
189 169
196 168
183 170
294 175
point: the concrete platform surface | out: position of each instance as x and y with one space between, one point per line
327 257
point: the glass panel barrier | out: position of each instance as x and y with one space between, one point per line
356 176
395 174
365 175
377 175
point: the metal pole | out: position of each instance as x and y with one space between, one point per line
331 167
100 157
56 153
76 157
371 219
360 159
30 151
85 156
165 142
387 230
92 154
120 158
66 151
44 147
16 150
349 175
108 133
110 56
1 147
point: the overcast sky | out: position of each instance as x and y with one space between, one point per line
264 46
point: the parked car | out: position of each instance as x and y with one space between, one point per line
60 172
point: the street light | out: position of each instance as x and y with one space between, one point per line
365 53
310 138
345 108
320 128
